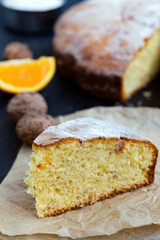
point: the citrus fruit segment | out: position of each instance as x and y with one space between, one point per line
26 75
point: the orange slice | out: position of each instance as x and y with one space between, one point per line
26 75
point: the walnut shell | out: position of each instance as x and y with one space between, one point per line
31 125
17 50
27 102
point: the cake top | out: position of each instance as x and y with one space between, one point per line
104 35
85 129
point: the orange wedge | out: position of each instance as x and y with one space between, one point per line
26 75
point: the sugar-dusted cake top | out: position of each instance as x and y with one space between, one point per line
84 129
104 35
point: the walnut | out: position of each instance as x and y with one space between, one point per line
17 50
31 125
24 103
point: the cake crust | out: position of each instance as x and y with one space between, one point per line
83 129
99 86
107 87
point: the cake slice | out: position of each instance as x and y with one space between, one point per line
85 160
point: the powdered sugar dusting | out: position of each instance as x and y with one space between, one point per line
84 129
104 35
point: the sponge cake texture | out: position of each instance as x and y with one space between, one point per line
86 160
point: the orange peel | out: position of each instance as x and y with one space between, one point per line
26 75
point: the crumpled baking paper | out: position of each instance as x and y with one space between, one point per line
124 213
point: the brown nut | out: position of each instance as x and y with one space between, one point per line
17 50
27 102
31 125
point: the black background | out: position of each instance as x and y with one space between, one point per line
62 95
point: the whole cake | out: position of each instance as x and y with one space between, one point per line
85 160
110 48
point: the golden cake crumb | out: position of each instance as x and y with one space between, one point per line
82 161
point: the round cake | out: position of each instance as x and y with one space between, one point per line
110 48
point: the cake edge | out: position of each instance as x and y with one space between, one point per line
68 67
113 84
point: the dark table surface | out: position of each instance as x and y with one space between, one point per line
63 96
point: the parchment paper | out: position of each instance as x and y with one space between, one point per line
129 210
